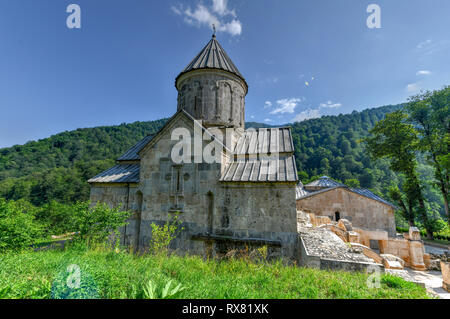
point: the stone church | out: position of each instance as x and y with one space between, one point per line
327 197
245 198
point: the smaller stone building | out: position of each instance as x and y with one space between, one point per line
326 197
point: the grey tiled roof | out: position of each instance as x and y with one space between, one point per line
300 192
132 153
122 173
212 56
324 182
265 140
280 169
367 193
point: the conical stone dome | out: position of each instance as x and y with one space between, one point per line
212 89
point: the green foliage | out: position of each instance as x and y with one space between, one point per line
151 290
331 146
18 227
429 112
397 140
396 282
94 224
57 168
123 275
65 285
352 183
163 235
56 218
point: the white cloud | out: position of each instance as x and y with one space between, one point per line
423 44
423 72
413 87
286 105
267 104
429 47
221 7
177 10
330 104
267 120
307 115
203 16
234 27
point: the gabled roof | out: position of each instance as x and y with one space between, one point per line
132 153
324 182
168 124
122 173
265 141
212 56
302 193
367 193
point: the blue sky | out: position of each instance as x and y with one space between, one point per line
302 59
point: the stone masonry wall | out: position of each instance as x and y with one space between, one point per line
216 97
209 207
361 211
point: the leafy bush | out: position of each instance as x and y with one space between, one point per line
94 224
18 227
56 218
163 235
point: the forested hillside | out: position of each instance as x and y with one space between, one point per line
332 146
57 168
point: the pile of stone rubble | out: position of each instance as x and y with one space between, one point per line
326 244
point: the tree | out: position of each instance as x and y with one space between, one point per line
429 112
395 139
352 182
95 223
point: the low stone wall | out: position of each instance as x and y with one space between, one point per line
410 249
445 268
311 261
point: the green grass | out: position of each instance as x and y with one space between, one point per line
106 274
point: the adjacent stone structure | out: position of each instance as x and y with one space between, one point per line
445 268
245 199
326 197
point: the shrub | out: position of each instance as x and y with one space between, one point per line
18 228
56 217
94 224
163 235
